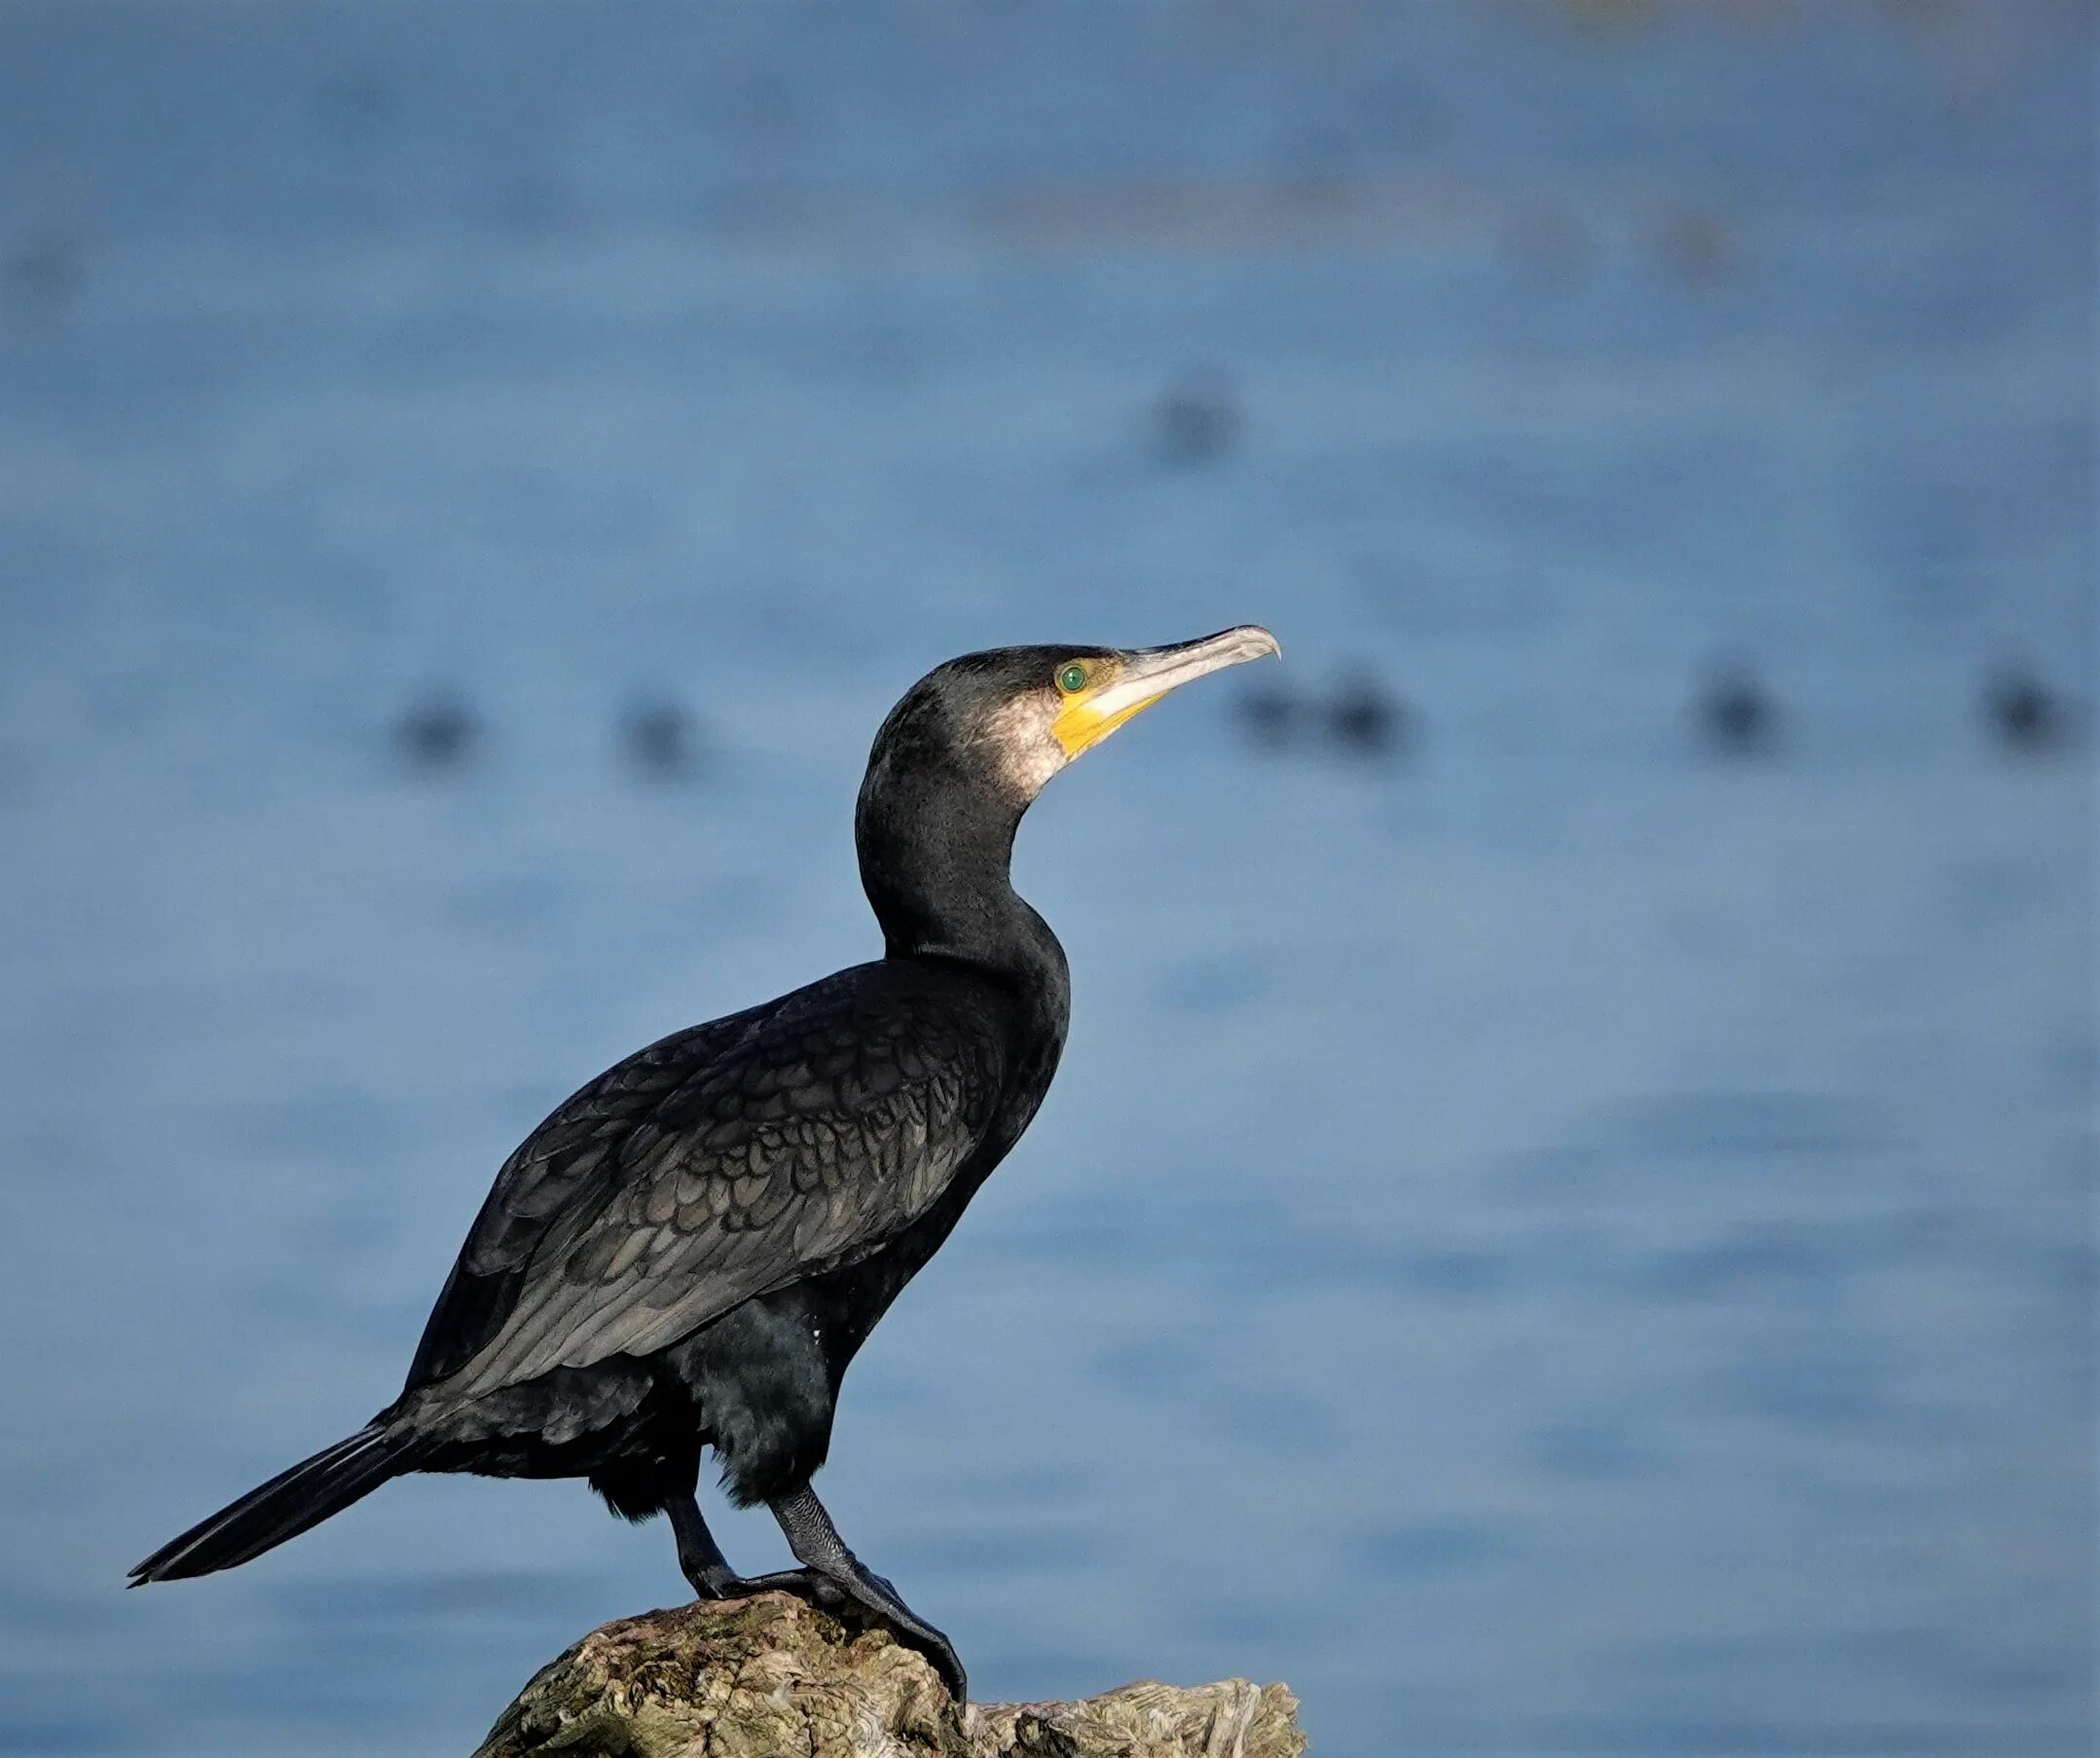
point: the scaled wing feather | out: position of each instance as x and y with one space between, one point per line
710 1168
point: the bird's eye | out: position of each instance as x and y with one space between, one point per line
1072 678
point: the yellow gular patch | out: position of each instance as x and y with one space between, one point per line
1082 725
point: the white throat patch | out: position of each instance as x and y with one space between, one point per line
1022 745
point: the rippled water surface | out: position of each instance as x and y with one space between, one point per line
1554 1241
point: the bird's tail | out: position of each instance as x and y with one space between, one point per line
285 1507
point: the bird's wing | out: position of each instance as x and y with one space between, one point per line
711 1167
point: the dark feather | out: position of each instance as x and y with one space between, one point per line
286 1506
717 1165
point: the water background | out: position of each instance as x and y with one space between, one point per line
1554 1242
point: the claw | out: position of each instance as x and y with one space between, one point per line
883 1606
879 1599
948 1664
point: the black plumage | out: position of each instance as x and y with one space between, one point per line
2023 711
1366 718
1197 420
658 736
436 733
1736 712
688 1252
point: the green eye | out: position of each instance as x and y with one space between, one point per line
1072 680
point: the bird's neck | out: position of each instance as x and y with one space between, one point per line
936 864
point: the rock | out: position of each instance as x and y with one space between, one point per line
757 1677
1235 1718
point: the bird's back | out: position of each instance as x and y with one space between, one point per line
724 1161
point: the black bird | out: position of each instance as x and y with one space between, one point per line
1736 714
437 733
1364 716
1197 419
658 736
691 1249
2023 711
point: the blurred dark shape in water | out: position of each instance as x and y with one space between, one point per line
764 103
44 272
2023 711
357 104
527 201
437 733
1547 240
1736 713
1697 248
1404 111
1364 717
657 736
1271 713
1197 419
1322 165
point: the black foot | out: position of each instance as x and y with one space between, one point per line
870 1596
877 1596
803 1583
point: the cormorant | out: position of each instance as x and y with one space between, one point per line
690 1250
658 737
436 733
1197 419
1736 714
2023 708
1364 717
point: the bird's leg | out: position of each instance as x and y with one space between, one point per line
708 1570
832 1575
816 1544
700 1557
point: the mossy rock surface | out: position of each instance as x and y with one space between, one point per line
771 1675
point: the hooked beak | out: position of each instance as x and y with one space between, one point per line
1140 678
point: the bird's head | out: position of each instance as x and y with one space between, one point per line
961 757
1010 719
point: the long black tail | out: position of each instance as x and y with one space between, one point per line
285 1507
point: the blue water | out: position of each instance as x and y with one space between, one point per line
1553 1243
